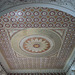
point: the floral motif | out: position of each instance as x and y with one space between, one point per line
6 25
36 45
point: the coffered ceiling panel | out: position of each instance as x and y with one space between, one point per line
37 38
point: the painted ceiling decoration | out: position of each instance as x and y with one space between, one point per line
37 38
36 42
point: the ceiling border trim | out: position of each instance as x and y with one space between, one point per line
49 5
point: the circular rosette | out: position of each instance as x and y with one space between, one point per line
36 42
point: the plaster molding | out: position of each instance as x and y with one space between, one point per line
68 4
59 2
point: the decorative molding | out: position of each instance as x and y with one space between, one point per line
7 4
59 2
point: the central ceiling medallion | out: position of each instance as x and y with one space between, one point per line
36 44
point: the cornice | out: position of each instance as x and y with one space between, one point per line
59 2
7 4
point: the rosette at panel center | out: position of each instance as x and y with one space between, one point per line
36 42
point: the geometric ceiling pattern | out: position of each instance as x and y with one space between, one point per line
37 38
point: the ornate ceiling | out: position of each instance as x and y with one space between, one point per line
37 38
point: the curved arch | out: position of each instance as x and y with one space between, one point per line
64 9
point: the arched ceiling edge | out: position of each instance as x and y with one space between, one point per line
65 6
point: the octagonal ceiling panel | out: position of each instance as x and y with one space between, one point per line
36 38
